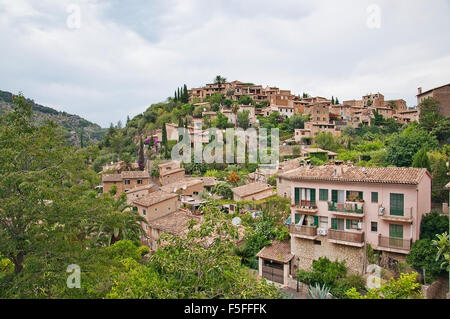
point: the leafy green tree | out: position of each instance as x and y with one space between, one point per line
187 267
223 190
405 287
443 244
433 223
243 119
402 147
34 164
429 115
245 100
421 159
326 141
221 121
423 255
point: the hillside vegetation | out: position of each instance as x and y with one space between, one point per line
77 130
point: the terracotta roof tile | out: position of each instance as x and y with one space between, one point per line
251 188
154 198
174 223
277 251
391 175
169 188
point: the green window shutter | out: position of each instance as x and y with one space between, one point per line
395 231
333 223
347 194
374 197
297 196
396 204
316 221
323 194
313 196
297 218
348 224
361 195
334 196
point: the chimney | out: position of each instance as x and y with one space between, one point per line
419 91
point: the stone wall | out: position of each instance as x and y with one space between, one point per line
308 251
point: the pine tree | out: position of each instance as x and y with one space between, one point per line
332 100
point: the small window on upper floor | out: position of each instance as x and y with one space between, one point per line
374 197
139 181
374 226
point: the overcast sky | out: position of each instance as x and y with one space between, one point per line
126 55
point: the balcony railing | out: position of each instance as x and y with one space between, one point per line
395 243
405 217
345 236
303 230
306 203
347 207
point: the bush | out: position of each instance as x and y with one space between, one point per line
423 255
432 224
346 283
325 272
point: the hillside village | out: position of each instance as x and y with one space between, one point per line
340 191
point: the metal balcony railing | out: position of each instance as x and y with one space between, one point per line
347 207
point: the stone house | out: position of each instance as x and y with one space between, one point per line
441 93
253 191
125 181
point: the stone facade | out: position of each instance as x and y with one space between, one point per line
309 250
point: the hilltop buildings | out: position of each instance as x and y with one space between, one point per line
441 93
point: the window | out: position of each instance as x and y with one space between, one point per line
374 197
317 242
135 209
351 223
323 194
195 193
395 231
374 226
396 204
337 223
139 181
144 212
127 182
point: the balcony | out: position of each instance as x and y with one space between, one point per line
307 232
399 245
346 238
347 209
306 206
406 217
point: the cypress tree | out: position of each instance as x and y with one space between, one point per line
332 100
164 140
141 159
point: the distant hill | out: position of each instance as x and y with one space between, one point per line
75 125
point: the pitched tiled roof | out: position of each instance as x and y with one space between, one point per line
135 174
174 223
123 175
172 171
185 182
390 175
111 178
141 188
154 198
277 251
251 188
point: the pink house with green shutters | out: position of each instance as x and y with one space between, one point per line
337 210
